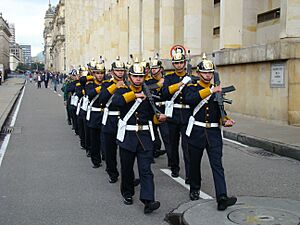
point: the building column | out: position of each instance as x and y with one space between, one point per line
198 26
123 40
167 27
289 19
135 25
231 24
148 29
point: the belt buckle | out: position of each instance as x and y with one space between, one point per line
207 125
139 127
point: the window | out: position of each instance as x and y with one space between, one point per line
216 31
270 15
216 1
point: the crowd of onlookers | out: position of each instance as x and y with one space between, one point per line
55 78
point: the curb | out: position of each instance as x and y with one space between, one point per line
10 107
279 148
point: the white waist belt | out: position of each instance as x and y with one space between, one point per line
114 113
137 127
94 109
160 103
181 106
207 125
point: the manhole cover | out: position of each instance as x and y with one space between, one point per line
263 216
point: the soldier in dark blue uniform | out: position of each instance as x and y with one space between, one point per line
155 83
71 90
81 110
204 133
178 112
95 111
111 117
136 138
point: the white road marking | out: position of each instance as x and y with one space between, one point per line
182 182
12 123
235 142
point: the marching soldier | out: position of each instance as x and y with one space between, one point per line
67 95
111 117
71 90
204 133
178 112
81 110
95 110
135 138
155 83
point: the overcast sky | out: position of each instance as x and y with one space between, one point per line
28 17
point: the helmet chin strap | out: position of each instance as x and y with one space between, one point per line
131 81
205 80
154 74
117 77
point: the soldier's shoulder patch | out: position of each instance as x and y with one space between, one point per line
169 73
123 86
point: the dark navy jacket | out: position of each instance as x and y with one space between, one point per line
95 117
142 115
111 126
180 116
209 113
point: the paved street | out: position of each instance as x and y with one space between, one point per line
45 178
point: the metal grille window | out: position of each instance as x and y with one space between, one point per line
216 31
270 15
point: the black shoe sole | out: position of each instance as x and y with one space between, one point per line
151 207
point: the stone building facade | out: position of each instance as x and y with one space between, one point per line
54 38
256 43
4 44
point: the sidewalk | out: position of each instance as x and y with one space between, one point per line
280 139
9 91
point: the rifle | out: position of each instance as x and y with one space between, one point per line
219 96
148 94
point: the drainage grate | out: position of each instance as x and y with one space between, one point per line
262 152
7 130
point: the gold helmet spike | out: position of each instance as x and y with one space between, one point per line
204 56
136 60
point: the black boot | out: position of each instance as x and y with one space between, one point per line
224 202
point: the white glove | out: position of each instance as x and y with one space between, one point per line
186 79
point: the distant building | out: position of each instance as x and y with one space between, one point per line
16 56
26 53
13 33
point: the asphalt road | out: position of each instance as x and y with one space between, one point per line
45 178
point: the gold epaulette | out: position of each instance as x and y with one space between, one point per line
89 82
106 81
123 86
191 85
78 84
169 73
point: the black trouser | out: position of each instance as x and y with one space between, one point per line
174 131
144 159
68 109
74 119
80 123
164 131
110 147
87 134
95 145
215 160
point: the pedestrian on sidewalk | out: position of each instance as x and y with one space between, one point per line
204 132
39 80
